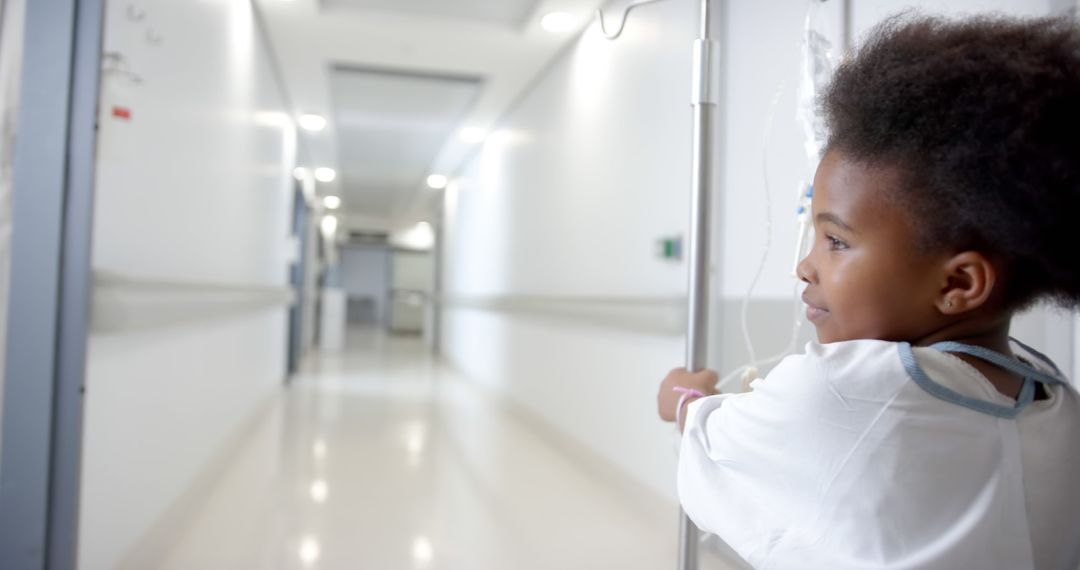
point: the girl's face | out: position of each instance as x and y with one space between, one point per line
865 279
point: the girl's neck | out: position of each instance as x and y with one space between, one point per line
995 338
993 335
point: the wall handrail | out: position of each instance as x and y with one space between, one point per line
124 303
662 315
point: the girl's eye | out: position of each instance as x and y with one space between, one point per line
835 244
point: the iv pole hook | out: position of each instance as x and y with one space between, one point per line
622 23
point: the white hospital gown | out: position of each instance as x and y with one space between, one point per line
838 459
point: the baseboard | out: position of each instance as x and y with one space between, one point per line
162 535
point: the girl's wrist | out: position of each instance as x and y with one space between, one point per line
687 395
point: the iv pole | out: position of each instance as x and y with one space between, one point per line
705 99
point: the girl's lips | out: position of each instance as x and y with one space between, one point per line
814 313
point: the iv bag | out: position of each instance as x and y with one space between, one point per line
818 64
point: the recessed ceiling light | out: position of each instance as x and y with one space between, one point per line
558 22
331 202
300 173
311 122
436 181
324 174
473 135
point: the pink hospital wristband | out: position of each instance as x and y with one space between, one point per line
686 393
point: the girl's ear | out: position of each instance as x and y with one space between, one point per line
969 281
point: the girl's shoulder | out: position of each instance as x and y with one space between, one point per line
857 357
875 371
846 356
863 368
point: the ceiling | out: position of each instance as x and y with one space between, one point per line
511 13
397 79
390 128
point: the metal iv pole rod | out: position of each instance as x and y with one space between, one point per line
705 101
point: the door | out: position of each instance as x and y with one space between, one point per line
297 271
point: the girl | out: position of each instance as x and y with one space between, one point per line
915 433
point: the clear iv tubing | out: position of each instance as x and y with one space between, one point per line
797 321
766 138
745 324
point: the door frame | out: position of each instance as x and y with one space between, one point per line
49 303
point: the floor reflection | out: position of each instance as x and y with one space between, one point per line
382 458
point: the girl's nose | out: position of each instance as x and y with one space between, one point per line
804 271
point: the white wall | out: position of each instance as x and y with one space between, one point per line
411 270
568 199
195 187
589 168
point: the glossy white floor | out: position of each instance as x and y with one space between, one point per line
380 458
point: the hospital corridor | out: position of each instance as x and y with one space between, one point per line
393 284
